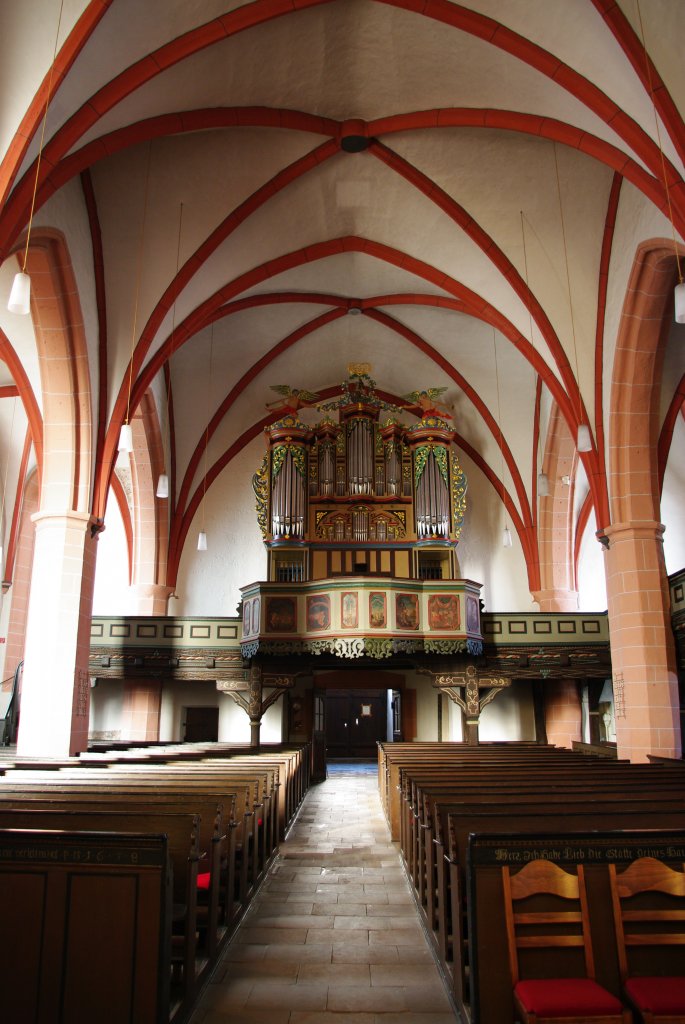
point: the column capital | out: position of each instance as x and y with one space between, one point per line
48 517
556 600
640 528
150 598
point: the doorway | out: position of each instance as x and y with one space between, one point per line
355 722
201 725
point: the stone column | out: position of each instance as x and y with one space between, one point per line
140 713
563 718
150 598
556 600
55 699
642 647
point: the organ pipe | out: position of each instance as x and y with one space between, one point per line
360 457
289 501
326 467
432 502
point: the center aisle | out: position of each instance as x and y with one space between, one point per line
334 934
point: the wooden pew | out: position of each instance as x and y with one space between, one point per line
112 963
185 794
483 784
112 814
182 831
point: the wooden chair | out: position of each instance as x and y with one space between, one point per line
554 933
653 921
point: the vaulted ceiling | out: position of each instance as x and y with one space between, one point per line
262 193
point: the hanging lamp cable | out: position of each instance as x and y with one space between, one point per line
585 445
209 400
506 536
42 138
139 272
542 481
171 351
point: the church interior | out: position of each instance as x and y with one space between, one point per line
342 403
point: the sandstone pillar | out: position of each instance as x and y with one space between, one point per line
563 720
140 714
55 698
642 647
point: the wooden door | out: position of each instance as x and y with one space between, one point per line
355 721
202 725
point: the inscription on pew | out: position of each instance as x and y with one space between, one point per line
573 849
72 854
491 986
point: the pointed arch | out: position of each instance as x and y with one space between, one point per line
64 372
634 402
555 526
150 522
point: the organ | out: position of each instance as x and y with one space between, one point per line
362 494
361 516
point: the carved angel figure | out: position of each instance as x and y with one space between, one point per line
428 402
293 398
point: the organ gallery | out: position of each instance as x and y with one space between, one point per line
361 516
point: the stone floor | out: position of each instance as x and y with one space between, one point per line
333 936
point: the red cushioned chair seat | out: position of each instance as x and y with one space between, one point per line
203 880
657 995
566 997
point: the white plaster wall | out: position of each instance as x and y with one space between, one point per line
106 707
453 724
426 707
234 725
111 593
592 589
482 558
672 501
209 581
510 716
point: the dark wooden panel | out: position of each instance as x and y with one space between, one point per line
22 898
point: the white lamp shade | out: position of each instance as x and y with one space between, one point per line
202 541
680 303
126 438
584 440
163 486
543 485
20 296
506 538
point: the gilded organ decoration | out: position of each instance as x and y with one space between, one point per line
360 491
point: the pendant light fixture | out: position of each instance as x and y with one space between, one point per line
679 292
126 433
163 481
125 438
543 485
583 436
20 294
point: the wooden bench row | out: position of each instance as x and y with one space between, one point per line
445 793
221 819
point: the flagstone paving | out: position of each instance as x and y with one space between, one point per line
333 936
